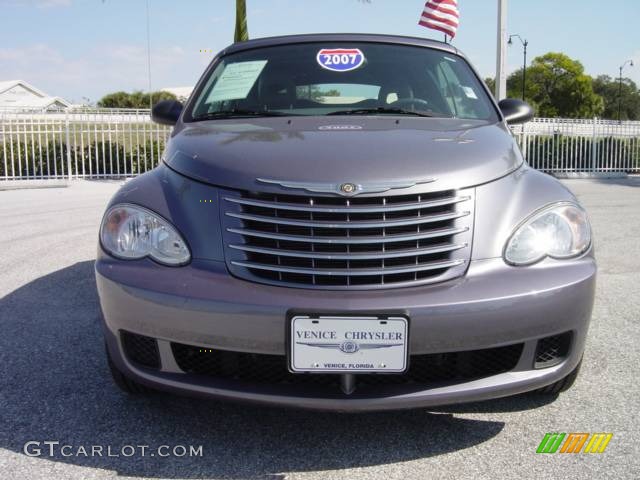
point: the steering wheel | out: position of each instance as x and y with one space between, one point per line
411 102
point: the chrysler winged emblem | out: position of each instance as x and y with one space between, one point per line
347 189
349 346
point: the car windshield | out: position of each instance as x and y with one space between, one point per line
350 78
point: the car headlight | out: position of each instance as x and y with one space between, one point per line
131 232
558 231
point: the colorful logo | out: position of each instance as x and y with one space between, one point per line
340 59
573 443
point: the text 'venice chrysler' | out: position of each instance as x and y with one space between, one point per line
344 222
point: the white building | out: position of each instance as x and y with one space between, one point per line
19 95
181 93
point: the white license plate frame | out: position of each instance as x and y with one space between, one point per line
348 344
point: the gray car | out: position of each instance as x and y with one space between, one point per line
344 222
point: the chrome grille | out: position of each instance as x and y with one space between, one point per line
348 243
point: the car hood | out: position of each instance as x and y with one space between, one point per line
235 153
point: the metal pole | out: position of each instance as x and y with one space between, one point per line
593 145
501 64
620 97
524 71
149 56
67 141
629 62
6 140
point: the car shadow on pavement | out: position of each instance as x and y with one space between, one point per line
623 181
55 386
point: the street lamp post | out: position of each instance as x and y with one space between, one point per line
501 67
149 58
525 44
630 63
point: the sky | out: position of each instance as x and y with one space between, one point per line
87 48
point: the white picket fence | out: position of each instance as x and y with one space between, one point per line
117 143
561 145
79 143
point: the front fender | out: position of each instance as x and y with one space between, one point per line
191 206
503 204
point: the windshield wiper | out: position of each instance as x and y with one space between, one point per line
237 112
373 111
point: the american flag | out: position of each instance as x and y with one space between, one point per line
441 15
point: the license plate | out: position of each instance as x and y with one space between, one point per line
348 344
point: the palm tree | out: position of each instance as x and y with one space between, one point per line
242 31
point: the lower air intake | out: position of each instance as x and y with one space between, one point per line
552 350
424 371
140 349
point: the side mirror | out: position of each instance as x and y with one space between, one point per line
166 112
516 111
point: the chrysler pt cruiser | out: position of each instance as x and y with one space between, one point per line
344 222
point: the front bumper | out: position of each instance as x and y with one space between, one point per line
493 305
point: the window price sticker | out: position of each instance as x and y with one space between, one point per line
236 81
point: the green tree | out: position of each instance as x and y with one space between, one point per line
135 99
330 93
557 87
313 92
609 89
491 83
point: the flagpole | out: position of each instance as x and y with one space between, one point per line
149 57
501 54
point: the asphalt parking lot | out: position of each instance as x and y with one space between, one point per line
54 382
